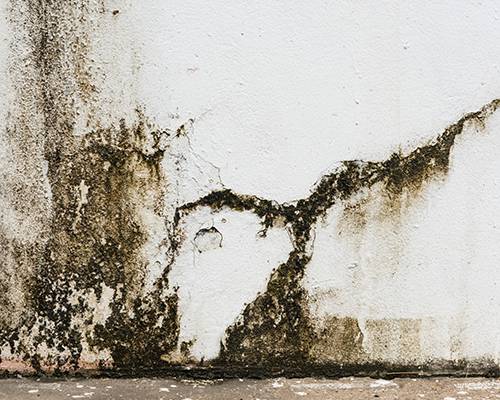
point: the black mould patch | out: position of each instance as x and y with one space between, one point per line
275 330
100 184
96 239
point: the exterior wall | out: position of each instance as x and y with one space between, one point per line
267 186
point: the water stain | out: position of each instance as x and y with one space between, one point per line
394 340
276 329
339 340
102 181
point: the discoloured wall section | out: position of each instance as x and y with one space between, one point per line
98 184
122 249
24 186
394 267
394 183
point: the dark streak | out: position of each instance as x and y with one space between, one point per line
276 329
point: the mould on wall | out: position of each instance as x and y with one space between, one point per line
339 340
101 181
392 337
96 236
105 243
275 330
88 251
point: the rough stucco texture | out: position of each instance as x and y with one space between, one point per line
276 187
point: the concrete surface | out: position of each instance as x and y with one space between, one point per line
272 389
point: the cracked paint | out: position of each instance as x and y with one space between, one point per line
124 249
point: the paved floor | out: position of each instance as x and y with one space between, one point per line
280 389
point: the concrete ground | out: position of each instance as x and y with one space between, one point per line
279 389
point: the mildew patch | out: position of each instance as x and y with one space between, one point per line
101 241
339 340
96 238
102 181
92 293
394 340
276 329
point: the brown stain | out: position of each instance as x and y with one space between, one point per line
105 232
276 330
375 214
100 183
354 217
395 340
339 340
99 240
23 197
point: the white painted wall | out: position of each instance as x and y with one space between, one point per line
280 92
434 261
278 87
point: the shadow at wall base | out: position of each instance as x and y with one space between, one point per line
459 368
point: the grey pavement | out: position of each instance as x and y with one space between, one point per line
267 389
